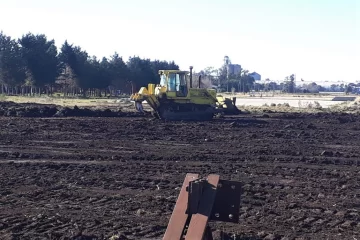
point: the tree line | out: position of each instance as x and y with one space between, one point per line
32 64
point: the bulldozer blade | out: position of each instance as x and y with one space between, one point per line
228 106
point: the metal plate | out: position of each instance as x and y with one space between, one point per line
227 202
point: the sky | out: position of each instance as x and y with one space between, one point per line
318 40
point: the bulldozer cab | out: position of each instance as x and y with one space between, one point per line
174 81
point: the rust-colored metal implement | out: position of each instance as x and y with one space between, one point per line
202 200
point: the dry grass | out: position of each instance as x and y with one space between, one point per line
68 102
3 97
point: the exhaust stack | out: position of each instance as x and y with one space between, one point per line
191 68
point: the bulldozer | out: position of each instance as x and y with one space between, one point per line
175 98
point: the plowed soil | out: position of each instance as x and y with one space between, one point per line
98 177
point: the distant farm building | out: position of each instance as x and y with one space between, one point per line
234 69
255 75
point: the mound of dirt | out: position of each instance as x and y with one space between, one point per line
11 109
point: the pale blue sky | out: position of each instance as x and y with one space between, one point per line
315 39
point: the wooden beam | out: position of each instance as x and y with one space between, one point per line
199 221
174 230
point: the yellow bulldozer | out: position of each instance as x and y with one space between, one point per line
176 99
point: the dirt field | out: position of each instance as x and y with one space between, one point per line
62 177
